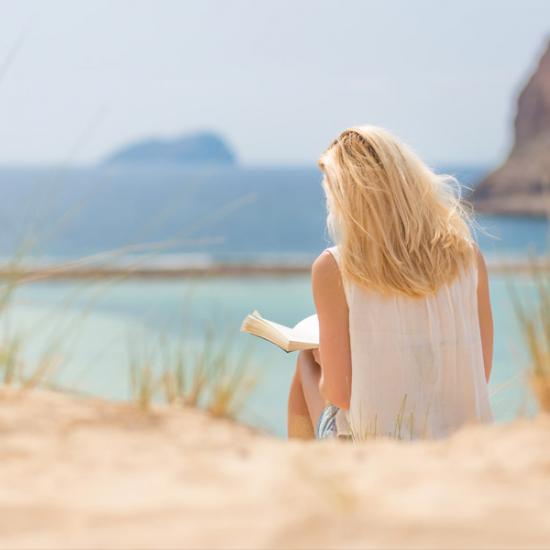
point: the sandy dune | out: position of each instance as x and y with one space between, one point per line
79 473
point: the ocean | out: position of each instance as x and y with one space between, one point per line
197 216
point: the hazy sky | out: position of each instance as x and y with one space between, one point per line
277 78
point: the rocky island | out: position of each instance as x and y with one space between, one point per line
521 186
191 149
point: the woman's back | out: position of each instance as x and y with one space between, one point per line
417 363
406 342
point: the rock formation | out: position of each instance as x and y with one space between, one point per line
522 184
192 149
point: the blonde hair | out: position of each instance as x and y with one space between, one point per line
400 227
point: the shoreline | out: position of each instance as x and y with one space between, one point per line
29 274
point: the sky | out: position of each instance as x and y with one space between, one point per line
278 79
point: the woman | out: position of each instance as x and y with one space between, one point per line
406 333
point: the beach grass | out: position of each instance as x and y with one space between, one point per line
534 319
205 379
210 377
143 383
13 370
9 360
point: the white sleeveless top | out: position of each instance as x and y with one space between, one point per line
417 363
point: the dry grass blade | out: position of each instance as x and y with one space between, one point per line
144 383
231 385
535 324
174 379
211 378
9 360
199 376
43 372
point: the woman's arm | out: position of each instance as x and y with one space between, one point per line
334 349
485 315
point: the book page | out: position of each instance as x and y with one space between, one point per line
306 330
285 331
305 335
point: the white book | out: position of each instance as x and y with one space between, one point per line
305 335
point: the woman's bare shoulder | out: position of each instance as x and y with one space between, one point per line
325 273
325 265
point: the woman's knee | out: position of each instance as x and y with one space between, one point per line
306 366
303 360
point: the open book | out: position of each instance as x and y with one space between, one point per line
305 335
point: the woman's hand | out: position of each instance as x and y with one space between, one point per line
316 356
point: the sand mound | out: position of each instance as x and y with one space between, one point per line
81 473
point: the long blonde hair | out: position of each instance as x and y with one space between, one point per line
400 227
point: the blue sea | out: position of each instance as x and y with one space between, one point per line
167 216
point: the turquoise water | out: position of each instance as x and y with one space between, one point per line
96 326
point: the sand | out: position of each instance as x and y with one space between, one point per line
85 473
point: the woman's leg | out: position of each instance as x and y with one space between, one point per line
305 403
299 424
310 375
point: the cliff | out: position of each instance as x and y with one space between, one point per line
192 149
521 185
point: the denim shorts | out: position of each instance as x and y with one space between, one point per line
326 425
